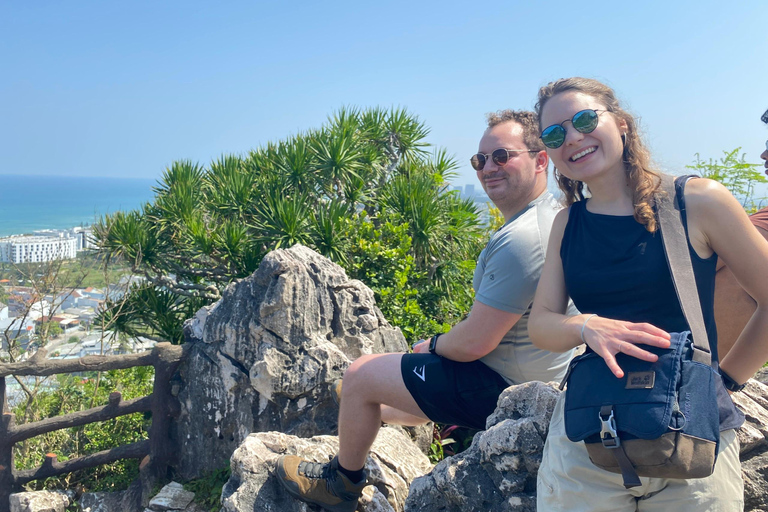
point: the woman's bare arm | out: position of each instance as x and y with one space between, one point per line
717 222
550 329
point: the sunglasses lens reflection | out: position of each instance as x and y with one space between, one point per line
500 156
478 162
585 121
553 136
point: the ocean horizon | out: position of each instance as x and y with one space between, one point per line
30 203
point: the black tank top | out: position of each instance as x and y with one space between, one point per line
617 269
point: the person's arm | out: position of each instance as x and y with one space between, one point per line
733 309
475 336
550 329
717 220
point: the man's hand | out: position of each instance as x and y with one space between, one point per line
422 347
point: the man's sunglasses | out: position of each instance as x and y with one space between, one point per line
584 121
498 156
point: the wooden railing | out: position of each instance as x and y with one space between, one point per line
164 357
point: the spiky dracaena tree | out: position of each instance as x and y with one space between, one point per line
358 177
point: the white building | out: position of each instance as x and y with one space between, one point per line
84 236
14 328
36 249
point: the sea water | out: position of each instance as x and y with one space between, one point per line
29 203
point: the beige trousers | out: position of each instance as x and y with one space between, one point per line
569 481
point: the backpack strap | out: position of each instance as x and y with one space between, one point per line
678 256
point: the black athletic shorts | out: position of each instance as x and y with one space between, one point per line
450 392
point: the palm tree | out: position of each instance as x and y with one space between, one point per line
324 188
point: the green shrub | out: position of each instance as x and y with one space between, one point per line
76 393
208 488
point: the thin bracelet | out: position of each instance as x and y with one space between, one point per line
584 325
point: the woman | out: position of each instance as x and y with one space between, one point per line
605 253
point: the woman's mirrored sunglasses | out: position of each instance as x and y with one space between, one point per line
584 121
498 156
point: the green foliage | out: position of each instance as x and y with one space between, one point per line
361 190
208 488
76 393
84 271
448 440
436 453
381 258
733 171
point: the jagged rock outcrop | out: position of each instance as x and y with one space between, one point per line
393 463
498 471
753 437
264 356
171 498
40 501
107 502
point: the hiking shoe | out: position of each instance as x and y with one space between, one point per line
336 392
318 483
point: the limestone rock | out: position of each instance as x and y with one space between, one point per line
753 436
498 471
264 356
753 402
393 463
755 473
171 498
39 501
762 375
101 502
122 501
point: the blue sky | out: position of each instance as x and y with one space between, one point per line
124 88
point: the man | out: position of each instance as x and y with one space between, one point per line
734 306
455 378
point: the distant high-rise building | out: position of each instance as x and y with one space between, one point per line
469 191
34 249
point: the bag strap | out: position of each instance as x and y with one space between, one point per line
678 256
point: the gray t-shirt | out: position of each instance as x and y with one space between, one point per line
506 277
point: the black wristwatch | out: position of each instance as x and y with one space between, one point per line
730 384
433 344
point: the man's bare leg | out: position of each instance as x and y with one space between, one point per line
370 382
394 416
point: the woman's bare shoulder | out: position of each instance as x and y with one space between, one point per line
705 192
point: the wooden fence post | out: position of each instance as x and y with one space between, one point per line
168 359
164 357
6 451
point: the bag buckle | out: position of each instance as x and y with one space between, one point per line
608 434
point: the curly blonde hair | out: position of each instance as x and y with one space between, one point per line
643 179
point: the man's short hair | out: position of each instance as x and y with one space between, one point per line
528 120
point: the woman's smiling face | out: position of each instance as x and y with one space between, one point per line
584 155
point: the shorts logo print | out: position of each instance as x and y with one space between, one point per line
422 374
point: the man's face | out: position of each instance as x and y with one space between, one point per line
764 156
515 180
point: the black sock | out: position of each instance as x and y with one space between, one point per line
354 476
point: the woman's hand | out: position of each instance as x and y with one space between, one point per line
608 337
